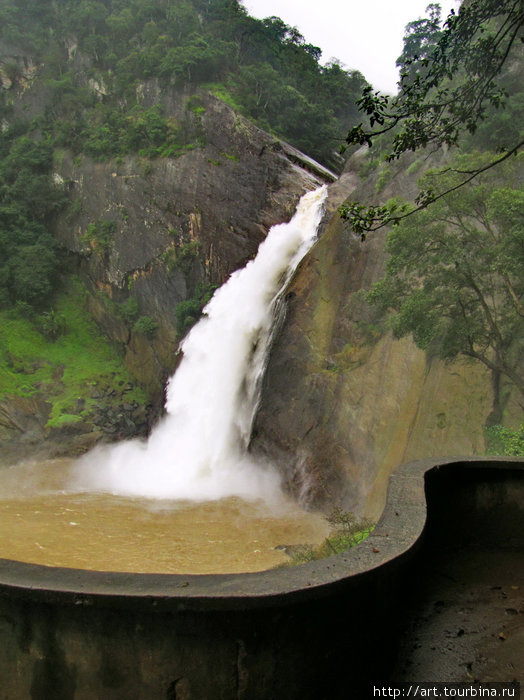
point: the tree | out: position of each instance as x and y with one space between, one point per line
455 275
32 273
28 201
420 41
450 97
339 84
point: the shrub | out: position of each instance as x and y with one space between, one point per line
184 257
22 308
100 234
415 166
129 310
146 326
504 441
347 531
32 273
52 324
188 312
383 178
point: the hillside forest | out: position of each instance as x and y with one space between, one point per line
91 56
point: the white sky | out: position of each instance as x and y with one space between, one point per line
365 35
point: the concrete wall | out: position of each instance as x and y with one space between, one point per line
320 630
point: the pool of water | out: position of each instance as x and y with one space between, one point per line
41 522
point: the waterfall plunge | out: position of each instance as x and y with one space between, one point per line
198 450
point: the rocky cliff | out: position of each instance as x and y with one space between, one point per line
342 407
175 225
147 234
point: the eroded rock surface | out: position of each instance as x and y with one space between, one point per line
344 404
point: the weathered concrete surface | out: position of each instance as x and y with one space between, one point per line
466 619
464 616
327 629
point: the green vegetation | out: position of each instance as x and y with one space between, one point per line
455 273
99 69
384 177
454 277
189 311
346 531
114 131
52 324
59 353
129 310
453 81
146 326
28 202
182 257
420 40
95 104
504 441
99 235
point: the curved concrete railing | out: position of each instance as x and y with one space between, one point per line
296 632
398 530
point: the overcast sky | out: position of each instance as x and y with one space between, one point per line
365 35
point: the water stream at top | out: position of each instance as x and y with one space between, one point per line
198 451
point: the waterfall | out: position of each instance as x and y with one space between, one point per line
199 449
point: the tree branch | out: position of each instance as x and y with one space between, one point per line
367 219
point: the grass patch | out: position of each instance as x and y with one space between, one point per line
64 370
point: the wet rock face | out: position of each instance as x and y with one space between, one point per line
159 230
299 425
342 408
24 417
111 416
223 195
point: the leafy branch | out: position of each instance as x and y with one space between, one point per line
365 219
444 94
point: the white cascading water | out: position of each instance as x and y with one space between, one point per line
198 450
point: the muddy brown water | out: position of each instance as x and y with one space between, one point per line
41 522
